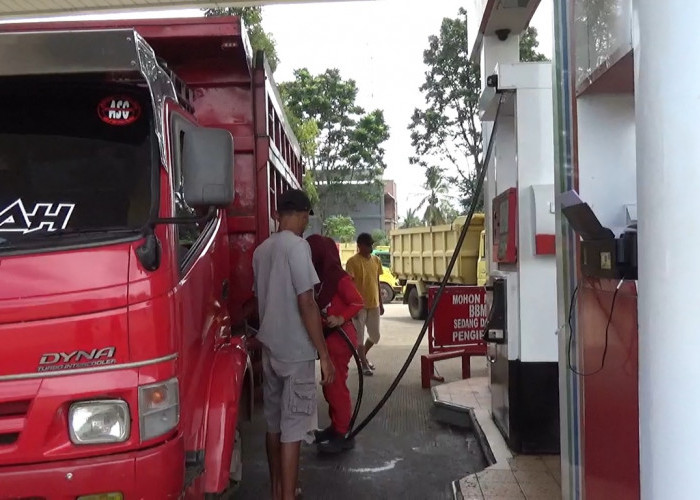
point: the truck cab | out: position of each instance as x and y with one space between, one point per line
125 364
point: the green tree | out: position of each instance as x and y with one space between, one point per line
447 129
598 19
380 237
259 38
438 192
347 159
306 132
411 219
310 187
449 212
340 228
528 46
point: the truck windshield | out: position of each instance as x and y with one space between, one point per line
76 160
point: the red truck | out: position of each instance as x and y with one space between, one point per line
139 166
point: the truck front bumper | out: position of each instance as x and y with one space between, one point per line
155 473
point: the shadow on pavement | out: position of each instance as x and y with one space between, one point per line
403 453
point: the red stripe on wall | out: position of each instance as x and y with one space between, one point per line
545 244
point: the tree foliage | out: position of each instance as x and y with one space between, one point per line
411 219
449 212
346 157
340 228
446 130
598 17
310 187
259 38
528 46
306 132
438 194
380 237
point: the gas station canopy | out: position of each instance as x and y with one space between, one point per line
494 17
35 8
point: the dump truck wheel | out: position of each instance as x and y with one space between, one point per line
417 305
387 293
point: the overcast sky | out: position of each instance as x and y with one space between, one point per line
380 45
377 43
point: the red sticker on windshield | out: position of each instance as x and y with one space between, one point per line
119 110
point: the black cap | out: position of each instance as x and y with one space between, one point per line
294 200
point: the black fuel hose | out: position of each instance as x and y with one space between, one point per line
431 313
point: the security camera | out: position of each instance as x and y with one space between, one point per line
492 81
503 34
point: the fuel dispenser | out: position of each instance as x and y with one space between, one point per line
522 345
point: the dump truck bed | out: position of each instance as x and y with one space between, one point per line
423 253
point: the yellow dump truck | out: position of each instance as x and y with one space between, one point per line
420 256
388 284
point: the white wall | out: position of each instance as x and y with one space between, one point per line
538 289
607 165
497 52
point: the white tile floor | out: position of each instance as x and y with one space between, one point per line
524 477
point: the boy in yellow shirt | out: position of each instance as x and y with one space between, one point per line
365 270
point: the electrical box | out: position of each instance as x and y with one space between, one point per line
614 258
602 254
505 226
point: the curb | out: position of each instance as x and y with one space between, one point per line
461 416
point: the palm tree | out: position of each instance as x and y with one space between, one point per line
438 194
411 219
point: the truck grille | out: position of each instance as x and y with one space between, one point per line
12 420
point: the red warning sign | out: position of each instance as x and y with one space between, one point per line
119 110
460 318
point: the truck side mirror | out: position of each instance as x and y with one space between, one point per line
207 167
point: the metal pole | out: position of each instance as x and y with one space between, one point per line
565 179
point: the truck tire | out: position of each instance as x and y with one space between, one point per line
417 305
386 292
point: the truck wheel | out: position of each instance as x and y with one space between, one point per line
417 305
387 293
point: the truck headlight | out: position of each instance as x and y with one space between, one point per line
99 422
159 408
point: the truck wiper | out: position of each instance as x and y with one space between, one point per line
44 235
82 230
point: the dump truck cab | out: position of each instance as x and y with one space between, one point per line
119 375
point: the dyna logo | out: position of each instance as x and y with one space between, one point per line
53 361
119 110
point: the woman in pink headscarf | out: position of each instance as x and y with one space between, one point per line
339 301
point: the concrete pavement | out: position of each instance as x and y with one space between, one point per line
403 453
